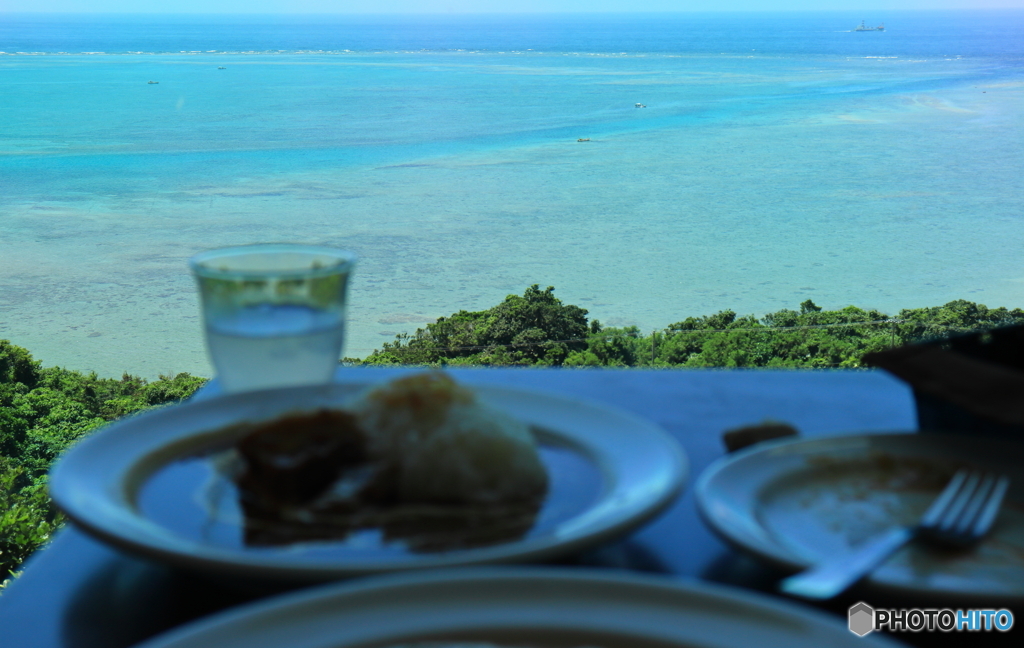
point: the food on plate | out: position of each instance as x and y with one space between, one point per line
447 446
294 459
419 458
768 430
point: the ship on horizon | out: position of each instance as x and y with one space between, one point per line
863 27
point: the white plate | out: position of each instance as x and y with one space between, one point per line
795 503
542 608
137 483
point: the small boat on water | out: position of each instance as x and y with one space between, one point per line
639 105
153 82
222 68
583 139
863 27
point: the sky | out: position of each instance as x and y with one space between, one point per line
487 6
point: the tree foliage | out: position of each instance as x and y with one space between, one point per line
538 329
535 329
27 516
42 413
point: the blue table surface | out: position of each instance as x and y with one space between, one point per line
79 593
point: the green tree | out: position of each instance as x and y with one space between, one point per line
534 329
955 317
610 347
42 413
27 516
537 329
17 365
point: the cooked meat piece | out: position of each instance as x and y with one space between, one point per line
292 460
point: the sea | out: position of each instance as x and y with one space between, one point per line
744 161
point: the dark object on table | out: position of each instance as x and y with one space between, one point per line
294 459
968 383
742 437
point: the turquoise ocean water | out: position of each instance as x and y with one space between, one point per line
780 157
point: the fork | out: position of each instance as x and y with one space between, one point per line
960 517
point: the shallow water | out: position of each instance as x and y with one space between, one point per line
776 161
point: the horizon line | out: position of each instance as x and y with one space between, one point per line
498 13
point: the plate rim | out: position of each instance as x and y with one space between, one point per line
106 513
779 557
606 586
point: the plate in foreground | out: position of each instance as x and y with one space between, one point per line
148 484
541 608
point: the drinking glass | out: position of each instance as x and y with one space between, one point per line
274 314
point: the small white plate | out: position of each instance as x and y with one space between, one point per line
143 484
543 608
795 503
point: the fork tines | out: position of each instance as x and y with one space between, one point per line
966 509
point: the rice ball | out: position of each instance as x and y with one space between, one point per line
448 447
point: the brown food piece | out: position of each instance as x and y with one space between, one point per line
742 437
294 459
